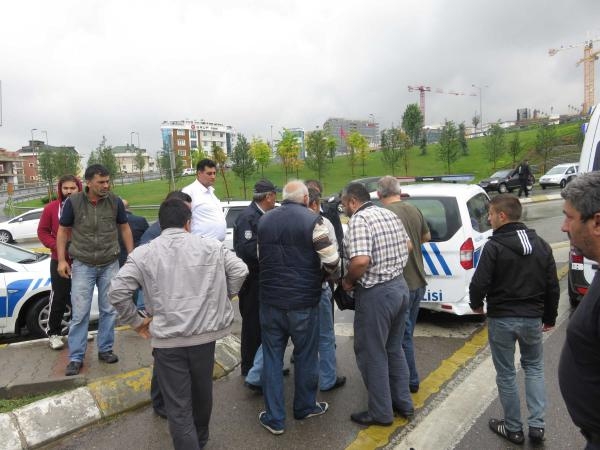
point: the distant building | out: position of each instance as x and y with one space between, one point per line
299 135
183 136
30 153
11 169
341 128
126 156
523 114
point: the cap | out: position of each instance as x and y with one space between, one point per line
264 186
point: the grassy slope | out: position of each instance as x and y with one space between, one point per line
152 192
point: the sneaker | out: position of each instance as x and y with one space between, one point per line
56 342
73 368
536 435
108 357
320 408
339 382
263 422
143 313
498 427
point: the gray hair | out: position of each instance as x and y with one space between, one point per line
388 186
295 191
584 194
260 196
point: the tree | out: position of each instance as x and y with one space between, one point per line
168 159
198 154
545 140
105 156
288 149
140 162
359 150
46 169
494 144
514 148
423 143
448 145
331 146
412 122
390 148
261 153
243 163
475 121
317 153
220 158
462 139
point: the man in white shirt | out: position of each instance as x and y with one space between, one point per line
208 219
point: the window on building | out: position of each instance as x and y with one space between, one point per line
181 152
220 134
193 134
180 142
31 178
194 144
180 132
30 164
205 133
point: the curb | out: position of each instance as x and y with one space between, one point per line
51 418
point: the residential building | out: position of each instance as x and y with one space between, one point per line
341 128
184 136
30 153
126 156
11 169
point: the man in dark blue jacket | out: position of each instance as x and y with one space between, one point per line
294 249
517 274
244 244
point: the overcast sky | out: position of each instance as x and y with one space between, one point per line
83 69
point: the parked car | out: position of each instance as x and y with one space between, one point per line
458 222
25 292
506 180
23 226
232 210
559 175
188 171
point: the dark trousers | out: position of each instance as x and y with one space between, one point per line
185 379
249 310
523 187
60 297
158 402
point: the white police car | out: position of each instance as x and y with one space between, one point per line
457 218
25 292
232 210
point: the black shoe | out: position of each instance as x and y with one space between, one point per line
363 418
73 368
254 387
414 388
108 357
285 372
404 414
536 435
498 427
339 382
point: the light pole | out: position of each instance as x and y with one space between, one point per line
46 134
34 155
131 138
480 104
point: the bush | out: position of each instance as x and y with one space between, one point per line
46 200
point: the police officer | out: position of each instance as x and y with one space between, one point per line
244 244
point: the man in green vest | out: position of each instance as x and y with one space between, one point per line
92 220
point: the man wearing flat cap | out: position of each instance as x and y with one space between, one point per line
244 244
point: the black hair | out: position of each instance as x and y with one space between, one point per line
204 163
96 169
173 213
180 195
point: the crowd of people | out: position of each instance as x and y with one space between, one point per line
177 279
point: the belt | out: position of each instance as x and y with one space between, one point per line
591 436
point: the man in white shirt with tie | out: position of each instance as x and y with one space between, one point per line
208 219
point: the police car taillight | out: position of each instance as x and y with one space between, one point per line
466 254
575 258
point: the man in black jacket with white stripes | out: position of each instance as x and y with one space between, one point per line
517 274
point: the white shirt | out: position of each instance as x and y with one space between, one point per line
207 214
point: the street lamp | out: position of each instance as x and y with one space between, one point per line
480 105
131 138
46 133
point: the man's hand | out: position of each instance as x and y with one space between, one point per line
64 269
144 329
477 310
346 285
546 327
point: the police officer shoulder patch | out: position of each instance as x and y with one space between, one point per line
248 234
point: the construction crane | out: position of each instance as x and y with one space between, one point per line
589 57
422 89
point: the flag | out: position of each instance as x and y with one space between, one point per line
342 133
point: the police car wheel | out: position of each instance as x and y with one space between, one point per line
37 317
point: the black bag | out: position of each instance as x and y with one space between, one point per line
343 299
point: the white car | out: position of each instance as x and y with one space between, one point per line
559 175
232 210
25 292
457 215
23 226
188 171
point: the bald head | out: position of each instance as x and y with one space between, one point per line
296 191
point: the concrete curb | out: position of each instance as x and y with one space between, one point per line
51 418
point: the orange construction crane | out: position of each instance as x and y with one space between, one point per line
589 57
423 89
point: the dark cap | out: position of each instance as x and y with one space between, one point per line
264 186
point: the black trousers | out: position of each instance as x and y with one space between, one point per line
249 310
523 187
60 297
185 378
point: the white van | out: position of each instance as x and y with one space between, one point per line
582 270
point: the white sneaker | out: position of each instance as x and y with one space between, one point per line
56 342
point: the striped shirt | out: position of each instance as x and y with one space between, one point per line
379 234
325 248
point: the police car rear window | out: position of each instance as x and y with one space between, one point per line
232 215
442 216
478 211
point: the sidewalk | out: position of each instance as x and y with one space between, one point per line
99 391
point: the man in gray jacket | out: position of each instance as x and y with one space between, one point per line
188 281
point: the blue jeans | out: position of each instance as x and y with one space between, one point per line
277 326
83 280
414 302
503 332
327 372
255 374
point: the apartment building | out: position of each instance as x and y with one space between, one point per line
341 128
126 156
